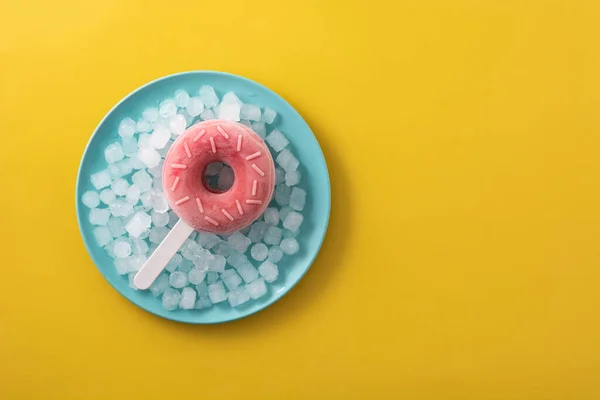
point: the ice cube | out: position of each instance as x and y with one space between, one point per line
238 296
207 114
178 279
271 216
182 98
250 112
246 122
135 162
282 194
223 248
217 263
170 299
107 196
231 279
247 272
167 108
160 203
120 186
147 199
133 194
142 180
101 179
102 235
196 276
283 212
226 178
138 224
289 246
129 146
269 271
277 140
214 168
121 208
139 246
216 293
122 249
159 219
90 199
99 216
157 234
207 240
275 254
287 161
160 137
229 111
120 168
149 156
257 231
159 285
231 98
297 199
202 289
143 126
279 176
157 171
211 277
150 114
202 302
239 242
293 221
268 115
208 96
273 235
257 288
113 153
292 178
144 140
174 263
116 226
195 106
236 259
260 129
127 127
188 299
259 252
177 124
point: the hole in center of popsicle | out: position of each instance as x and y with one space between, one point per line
218 177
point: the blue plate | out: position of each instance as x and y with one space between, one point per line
315 179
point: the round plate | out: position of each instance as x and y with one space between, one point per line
304 145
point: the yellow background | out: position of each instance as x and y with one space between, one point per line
462 259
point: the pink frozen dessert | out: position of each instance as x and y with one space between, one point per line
207 209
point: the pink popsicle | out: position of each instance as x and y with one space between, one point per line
234 144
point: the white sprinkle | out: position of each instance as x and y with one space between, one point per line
198 136
254 188
260 172
182 200
212 221
178 166
199 205
187 150
253 201
239 143
239 206
175 183
222 132
225 213
253 156
212 145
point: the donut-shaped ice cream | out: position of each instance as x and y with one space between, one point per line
202 207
